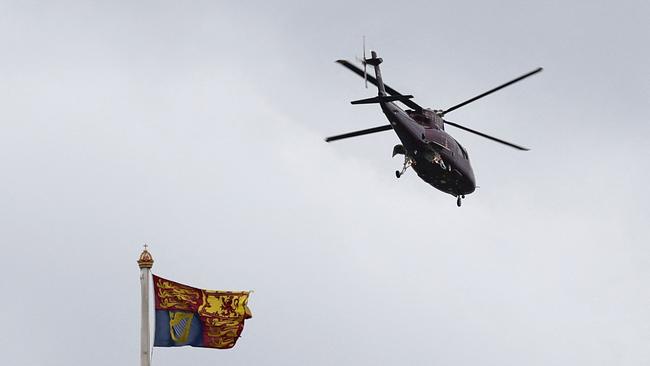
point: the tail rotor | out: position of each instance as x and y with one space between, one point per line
365 72
364 62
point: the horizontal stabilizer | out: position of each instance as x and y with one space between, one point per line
383 99
371 79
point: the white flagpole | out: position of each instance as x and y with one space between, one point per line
145 262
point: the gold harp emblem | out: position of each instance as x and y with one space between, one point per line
180 323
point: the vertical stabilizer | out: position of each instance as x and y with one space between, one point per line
376 61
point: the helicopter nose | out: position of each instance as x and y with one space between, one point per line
470 185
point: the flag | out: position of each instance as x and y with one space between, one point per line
188 316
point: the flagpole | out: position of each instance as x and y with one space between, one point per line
145 262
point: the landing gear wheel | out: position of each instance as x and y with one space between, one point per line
407 163
458 201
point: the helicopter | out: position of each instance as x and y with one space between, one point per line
434 155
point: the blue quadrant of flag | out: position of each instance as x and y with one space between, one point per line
176 328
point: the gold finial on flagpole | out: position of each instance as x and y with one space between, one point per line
145 260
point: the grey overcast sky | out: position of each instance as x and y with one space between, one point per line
197 127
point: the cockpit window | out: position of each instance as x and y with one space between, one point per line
418 117
462 150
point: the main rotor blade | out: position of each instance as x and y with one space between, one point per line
522 77
486 136
373 80
359 133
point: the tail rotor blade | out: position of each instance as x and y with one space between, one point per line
365 72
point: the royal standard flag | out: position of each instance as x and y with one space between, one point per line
188 316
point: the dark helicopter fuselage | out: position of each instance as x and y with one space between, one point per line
437 157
